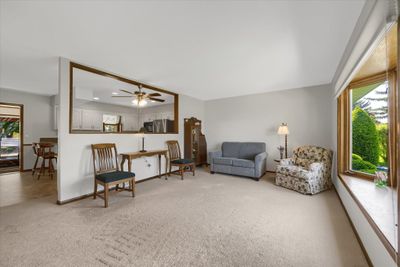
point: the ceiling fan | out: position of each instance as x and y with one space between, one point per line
140 96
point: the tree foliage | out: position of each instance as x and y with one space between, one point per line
7 128
381 95
365 136
383 135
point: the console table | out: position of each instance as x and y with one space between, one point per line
134 155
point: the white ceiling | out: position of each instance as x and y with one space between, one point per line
204 49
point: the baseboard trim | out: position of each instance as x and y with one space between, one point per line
354 230
101 191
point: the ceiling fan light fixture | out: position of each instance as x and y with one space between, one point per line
140 103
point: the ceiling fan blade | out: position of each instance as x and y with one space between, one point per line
156 99
154 94
122 90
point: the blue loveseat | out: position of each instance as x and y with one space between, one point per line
240 158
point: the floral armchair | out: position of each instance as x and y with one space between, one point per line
308 171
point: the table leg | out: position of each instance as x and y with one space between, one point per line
159 166
129 165
166 166
130 170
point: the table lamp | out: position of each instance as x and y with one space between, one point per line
284 130
141 134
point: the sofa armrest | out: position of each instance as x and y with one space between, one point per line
260 162
286 162
212 155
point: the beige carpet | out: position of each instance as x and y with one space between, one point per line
206 220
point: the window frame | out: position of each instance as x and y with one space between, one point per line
344 126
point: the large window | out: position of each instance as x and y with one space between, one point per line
366 117
369 128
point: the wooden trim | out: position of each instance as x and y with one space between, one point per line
21 132
343 131
176 114
73 65
392 252
358 174
397 139
380 77
101 191
354 230
392 128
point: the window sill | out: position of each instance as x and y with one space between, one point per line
378 206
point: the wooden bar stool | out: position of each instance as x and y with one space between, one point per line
43 151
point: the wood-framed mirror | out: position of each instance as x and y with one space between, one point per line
101 102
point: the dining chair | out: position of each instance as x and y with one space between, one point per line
43 152
107 173
175 159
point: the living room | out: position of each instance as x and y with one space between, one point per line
210 133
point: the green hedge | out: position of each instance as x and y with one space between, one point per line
365 136
358 164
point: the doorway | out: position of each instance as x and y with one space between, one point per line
11 137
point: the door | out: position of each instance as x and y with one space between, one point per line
11 135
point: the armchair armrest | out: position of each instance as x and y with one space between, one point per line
260 162
212 155
317 167
286 162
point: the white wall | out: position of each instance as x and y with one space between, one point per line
38 118
75 175
257 117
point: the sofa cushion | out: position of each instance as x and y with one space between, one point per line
250 172
231 149
223 160
223 168
249 150
243 163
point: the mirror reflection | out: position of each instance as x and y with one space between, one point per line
105 104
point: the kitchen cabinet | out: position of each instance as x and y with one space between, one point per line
92 120
77 119
129 122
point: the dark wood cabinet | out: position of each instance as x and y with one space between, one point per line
195 141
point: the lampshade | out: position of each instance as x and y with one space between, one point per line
283 129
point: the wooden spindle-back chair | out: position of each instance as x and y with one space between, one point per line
175 159
107 173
